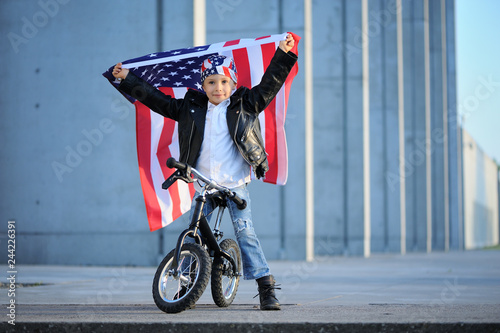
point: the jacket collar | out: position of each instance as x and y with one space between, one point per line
199 98
238 93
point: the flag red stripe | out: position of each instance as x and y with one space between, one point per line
143 133
293 72
288 84
163 153
226 71
268 51
240 57
192 191
295 48
231 42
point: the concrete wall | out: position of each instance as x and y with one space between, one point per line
480 196
387 152
69 168
414 176
70 177
416 157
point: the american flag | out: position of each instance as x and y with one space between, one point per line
173 72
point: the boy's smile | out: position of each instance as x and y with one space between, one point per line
218 88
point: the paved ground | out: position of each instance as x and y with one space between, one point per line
437 292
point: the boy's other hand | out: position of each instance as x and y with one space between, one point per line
287 44
119 72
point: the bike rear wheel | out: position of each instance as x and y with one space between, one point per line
174 294
224 282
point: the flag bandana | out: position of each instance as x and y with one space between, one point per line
218 64
173 73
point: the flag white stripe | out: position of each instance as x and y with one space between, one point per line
183 188
256 72
164 201
281 137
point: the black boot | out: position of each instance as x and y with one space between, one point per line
268 300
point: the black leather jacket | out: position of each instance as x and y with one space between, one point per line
242 112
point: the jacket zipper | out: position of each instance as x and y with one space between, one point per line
190 139
236 141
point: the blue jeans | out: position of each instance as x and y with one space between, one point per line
254 262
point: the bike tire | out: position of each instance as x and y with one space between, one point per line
173 295
224 283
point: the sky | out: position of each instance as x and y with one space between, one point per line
477 39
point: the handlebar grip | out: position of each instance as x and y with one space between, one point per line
240 203
173 163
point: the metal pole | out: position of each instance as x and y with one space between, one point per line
366 131
401 131
444 55
428 165
309 130
199 23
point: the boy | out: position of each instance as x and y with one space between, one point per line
219 134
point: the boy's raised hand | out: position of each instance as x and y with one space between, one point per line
119 72
287 44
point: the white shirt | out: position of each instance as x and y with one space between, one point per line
219 158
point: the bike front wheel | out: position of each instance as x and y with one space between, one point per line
174 293
224 281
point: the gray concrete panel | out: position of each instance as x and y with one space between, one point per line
177 24
415 133
228 20
480 196
391 97
71 170
455 185
293 193
378 130
386 179
438 138
328 128
353 135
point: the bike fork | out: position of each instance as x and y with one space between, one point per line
177 254
193 229
202 225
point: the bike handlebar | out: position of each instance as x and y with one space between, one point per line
184 167
173 163
240 203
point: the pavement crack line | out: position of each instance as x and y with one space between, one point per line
320 300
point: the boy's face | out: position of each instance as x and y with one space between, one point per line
218 88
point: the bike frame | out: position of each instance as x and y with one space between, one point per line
199 224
